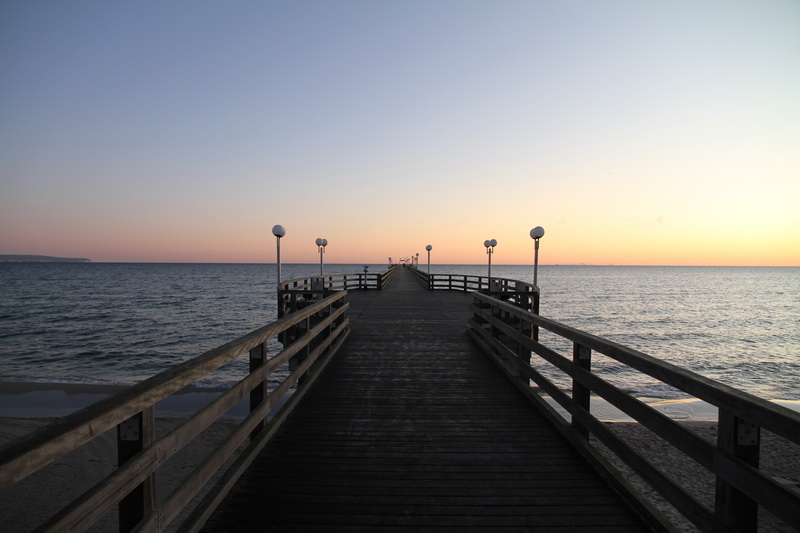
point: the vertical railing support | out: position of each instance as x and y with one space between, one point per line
582 357
133 435
526 328
258 356
535 305
524 353
741 439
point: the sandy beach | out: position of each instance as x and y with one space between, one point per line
25 407
34 499
779 458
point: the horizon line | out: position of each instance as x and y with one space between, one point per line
89 261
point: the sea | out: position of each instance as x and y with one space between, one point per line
119 323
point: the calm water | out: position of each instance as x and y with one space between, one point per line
120 323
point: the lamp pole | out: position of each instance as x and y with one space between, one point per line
279 232
321 244
536 234
429 248
490 244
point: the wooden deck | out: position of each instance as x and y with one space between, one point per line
412 427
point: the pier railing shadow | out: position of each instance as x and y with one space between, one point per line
312 326
510 335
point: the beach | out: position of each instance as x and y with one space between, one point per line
779 458
25 407
31 501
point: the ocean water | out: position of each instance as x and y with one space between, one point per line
121 323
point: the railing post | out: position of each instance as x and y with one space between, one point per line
582 357
741 439
526 328
524 353
133 435
258 357
297 360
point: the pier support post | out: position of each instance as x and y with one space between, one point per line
582 357
523 353
258 356
133 435
742 439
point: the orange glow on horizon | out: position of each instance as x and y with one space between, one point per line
450 248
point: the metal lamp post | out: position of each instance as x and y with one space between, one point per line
321 244
429 248
490 244
417 260
279 232
536 234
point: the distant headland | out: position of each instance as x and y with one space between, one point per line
41 259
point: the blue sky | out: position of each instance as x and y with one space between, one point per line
172 131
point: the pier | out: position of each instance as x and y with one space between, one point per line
403 401
412 426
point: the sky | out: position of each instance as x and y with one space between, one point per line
640 133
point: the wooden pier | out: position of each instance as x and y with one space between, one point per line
412 427
405 401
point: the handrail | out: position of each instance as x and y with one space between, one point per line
510 335
318 329
339 282
296 294
520 293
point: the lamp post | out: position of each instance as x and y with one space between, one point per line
279 232
417 259
429 248
490 244
321 244
536 234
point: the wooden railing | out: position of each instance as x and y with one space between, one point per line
298 293
340 282
317 332
522 294
510 335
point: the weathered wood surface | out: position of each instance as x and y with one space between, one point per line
412 427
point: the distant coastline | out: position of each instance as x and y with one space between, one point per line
41 259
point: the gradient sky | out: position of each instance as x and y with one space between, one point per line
663 133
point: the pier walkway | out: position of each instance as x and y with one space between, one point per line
411 426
